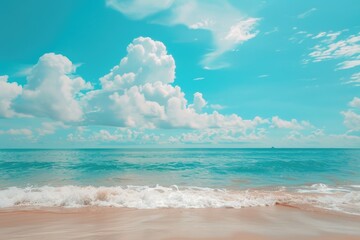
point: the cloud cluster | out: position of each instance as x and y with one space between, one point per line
229 27
330 47
351 117
51 91
292 124
138 92
136 96
8 92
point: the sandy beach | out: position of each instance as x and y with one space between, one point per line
277 222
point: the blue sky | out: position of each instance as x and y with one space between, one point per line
179 73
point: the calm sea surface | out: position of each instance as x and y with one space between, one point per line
220 168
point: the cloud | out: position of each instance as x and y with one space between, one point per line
148 99
138 97
228 27
354 79
216 106
48 128
349 64
307 13
22 131
351 120
292 124
351 117
198 103
355 103
330 47
51 90
147 61
138 9
8 92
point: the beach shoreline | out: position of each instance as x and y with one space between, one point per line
275 222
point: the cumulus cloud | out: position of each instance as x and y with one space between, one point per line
50 127
351 120
229 27
355 103
9 91
51 90
292 124
137 96
147 61
149 100
199 102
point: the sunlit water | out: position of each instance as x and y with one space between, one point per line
150 178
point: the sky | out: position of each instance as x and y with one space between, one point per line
191 73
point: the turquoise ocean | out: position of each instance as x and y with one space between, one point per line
323 179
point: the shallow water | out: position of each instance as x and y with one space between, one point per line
145 178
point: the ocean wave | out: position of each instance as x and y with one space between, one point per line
343 199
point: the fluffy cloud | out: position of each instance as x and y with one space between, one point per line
148 99
351 117
137 97
9 91
355 103
292 124
50 127
51 91
228 27
351 120
147 61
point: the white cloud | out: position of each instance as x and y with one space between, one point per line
199 102
349 64
198 79
150 100
292 124
355 103
8 92
147 61
219 136
216 106
354 79
51 91
307 13
48 128
351 120
229 27
138 93
138 9
22 131
331 48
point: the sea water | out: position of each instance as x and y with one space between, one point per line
181 178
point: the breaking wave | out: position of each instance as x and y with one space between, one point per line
344 199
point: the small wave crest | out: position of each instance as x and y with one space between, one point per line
341 199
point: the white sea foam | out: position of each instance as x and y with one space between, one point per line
145 197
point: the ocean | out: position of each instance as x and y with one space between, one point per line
322 179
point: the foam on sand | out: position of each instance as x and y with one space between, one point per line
341 199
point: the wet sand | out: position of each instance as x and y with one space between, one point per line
276 222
